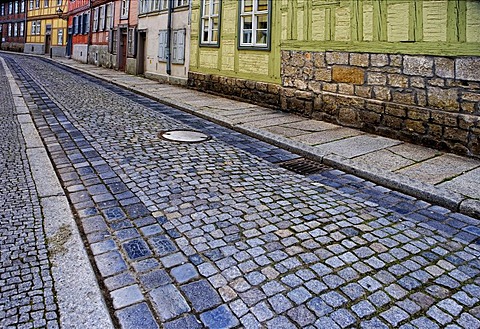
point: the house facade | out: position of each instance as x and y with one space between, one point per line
12 25
406 69
101 33
78 37
163 40
45 31
124 47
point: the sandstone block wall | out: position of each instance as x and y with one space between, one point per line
430 100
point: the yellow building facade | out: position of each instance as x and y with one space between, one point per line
46 32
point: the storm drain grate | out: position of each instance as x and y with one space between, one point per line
304 166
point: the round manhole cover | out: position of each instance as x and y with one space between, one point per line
184 136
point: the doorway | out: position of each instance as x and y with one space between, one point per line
142 39
48 40
122 53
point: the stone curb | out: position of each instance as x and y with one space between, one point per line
436 195
80 301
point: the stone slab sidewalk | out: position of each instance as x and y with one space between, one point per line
445 179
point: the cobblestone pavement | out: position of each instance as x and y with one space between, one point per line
26 287
218 235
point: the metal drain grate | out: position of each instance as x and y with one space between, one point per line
304 166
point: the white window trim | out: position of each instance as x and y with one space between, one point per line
210 17
124 9
95 19
253 14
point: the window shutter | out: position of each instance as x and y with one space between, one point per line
181 46
87 23
134 42
174 47
110 41
75 25
162 45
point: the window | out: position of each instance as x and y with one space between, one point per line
36 26
30 4
178 49
180 3
59 2
10 8
22 6
2 9
124 9
22 29
86 23
101 19
37 4
113 37
60 37
95 20
9 29
131 42
15 29
254 23
147 6
109 16
75 25
162 45
80 24
39 25
210 22
15 7
45 3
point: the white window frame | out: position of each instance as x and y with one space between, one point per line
109 16
60 37
37 4
22 29
15 29
254 15
9 30
10 8
22 6
180 3
45 4
30 5
16 7
131 42
2 9
207 19
95 19
124 9
33 28
101 18
59 2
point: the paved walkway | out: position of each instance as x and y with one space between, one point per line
446 179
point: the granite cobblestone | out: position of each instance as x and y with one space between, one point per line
232 238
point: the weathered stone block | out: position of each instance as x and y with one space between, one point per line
421 97
363 91
434 130
315 86
262 86
396 60
468 107
300 84
323 74
417 82
348 74
336 57
418 114
455 134
444 118
357 59
375 107
346 89
467 122
298 59
371 118
469 96
404 97
286 56
467 68
319 60
444 67
274 89
418 65
415 126
392 122
349 116
305 95
379 60
446 99
376 78
331 87
395 110
382 93
398 80
436 82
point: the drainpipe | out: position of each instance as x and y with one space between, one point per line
169 37
90 23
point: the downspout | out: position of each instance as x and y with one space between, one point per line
90 23
169 37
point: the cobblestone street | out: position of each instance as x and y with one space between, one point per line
217 234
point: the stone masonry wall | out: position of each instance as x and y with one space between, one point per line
430 100
434 101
